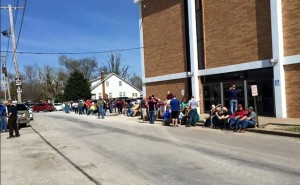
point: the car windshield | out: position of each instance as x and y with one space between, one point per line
21 107
57 104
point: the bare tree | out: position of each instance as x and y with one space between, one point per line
87 66
114 65
30 83
50 85
136 81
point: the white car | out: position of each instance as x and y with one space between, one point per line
58 106
30 112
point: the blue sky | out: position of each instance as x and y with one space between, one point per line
75 26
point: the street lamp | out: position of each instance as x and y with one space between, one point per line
6 33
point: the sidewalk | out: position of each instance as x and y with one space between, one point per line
267 125
275 126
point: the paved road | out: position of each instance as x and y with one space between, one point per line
72 149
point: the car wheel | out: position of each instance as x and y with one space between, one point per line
44 110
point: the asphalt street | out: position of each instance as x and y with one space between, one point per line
70 149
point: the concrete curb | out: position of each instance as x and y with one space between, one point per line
270 132
260 130
275 132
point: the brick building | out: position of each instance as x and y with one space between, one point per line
202 47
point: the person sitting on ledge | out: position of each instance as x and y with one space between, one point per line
250 120
135 110
237 117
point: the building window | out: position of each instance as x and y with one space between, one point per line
133 95
200 34
124 94
99 95
107 84
120 83
120 94
110 95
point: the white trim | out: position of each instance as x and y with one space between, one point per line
224 69
142 49
193 49
238 67
294 59
166 77
278 54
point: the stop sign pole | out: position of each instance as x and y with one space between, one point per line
255 94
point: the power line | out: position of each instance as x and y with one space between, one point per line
16 4
82 53
21 23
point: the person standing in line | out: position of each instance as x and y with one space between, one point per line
151 106
3 119
80 107
175 107
100 104
75 105
87 105
233 98
170 96
67 107
193 104
12 119
143 107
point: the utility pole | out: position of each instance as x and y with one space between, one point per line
12 30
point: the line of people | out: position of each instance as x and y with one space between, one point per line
238 121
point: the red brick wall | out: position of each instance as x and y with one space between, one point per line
164 37
292 82
236 31
291 26
159 89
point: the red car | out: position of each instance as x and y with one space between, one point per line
43 107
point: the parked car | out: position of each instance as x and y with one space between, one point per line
43 107
30 105
58 106
30 112
23 114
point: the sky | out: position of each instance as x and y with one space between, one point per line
62 26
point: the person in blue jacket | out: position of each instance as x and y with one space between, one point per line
3 119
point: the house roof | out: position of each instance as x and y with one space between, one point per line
137 1
106 78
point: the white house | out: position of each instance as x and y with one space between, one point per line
112 86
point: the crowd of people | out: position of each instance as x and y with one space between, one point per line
236 118
172 111
238 121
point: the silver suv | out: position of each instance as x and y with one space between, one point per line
23 114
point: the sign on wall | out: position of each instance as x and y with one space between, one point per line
254 90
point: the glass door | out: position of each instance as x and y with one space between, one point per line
211 95
265 99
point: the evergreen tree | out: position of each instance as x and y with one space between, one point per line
77 87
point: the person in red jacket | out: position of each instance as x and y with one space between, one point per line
237 117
